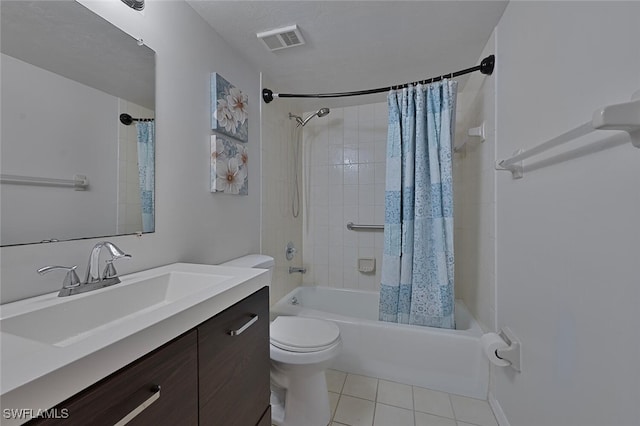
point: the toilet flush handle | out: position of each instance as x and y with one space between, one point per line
254 318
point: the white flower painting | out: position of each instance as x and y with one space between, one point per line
229 109
229 162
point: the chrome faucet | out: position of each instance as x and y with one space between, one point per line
293 270
93 280
93 266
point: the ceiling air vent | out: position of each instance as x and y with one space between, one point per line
281 38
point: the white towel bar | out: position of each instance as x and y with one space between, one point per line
625 117
79 182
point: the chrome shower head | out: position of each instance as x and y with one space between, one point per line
320 113
323 111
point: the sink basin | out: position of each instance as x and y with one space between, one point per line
78 317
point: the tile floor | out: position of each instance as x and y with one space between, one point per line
368 401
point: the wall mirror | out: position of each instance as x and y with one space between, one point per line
70 168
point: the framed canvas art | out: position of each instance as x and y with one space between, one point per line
229 109
229 161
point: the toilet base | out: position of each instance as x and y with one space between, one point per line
306 401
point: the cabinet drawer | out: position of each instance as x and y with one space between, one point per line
234 367
172 368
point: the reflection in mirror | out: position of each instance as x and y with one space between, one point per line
67 76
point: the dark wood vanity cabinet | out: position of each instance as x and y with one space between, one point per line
215 374
234 369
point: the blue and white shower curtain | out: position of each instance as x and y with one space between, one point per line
146 171
417 264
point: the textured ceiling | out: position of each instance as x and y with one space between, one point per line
356 45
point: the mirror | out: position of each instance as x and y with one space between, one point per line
66 77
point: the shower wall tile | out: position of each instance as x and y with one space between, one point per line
350 151
366 153
336 195
278 224
350 176
366 174
350 195
336 174
380 152
352 190
366 195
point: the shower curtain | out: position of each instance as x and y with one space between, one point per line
146 171
417 264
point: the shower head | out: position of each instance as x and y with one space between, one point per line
323 111
320 113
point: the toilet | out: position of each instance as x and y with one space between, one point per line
301 349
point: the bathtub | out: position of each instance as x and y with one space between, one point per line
445 360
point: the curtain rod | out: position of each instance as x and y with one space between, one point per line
126 119
485 67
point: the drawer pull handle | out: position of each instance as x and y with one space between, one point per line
249 323
140 408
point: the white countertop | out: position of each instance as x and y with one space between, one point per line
37 375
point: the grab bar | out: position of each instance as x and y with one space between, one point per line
79 182
353 227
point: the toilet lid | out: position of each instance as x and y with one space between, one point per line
299 334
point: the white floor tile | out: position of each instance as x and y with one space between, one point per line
465 424
387 415
333 402
472 410
396 394
361 386
335 380
354 411
432 402
424 419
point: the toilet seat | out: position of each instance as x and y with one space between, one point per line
303 335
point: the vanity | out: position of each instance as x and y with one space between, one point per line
180 344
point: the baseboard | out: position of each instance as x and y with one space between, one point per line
497 411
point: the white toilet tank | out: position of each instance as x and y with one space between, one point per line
253 261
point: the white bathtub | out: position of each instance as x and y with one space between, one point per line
446 360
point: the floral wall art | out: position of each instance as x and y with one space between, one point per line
229 119
228 166
229 109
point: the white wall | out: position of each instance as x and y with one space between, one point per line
345 155
279 227
474 197
568 235
38 107
192 224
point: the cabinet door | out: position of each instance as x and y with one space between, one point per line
161 387
266 418
234 367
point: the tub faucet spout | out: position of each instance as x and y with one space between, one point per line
293 270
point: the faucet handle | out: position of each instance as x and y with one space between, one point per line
110 270
71 280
